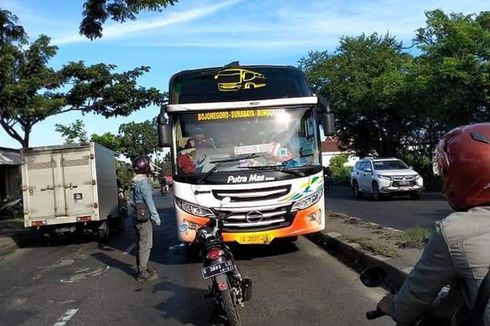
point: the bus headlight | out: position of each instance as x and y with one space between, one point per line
308 201
194 209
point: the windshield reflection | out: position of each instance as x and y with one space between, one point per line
244 139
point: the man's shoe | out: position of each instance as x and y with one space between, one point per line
152 272
146 276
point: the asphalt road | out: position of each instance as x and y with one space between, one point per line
398 212
79 282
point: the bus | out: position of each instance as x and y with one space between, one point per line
245 142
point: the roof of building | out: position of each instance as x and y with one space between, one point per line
9 156
331 144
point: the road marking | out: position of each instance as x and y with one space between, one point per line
85 273
129 249
63 320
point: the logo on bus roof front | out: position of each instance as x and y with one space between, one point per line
234 79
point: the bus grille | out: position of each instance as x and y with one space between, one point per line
262 218
254 194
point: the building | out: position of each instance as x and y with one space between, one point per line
10 180
330 148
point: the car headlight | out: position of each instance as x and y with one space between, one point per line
308 201
418 177
194 209
384 177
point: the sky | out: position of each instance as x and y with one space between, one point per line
209 33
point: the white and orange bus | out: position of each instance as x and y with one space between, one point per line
259 146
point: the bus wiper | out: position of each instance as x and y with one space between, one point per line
235 159
277 168
220 163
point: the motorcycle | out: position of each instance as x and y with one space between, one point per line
164 189
10 208
439 313
228 287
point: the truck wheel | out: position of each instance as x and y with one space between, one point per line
121 223
103 232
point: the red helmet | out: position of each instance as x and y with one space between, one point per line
462 159
141 165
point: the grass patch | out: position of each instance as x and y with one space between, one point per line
414 238
376 248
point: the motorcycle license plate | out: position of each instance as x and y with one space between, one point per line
254 239
218 269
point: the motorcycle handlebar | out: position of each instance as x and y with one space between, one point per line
373 314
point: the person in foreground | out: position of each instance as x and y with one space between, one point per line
459 249
145 213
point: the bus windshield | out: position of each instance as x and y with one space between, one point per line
246 139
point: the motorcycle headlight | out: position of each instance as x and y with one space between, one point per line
308 201
194 209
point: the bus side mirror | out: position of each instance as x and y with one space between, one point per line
327 117
164 130
328 124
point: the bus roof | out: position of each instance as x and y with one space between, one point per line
235 83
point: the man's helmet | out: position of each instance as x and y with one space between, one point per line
141 164
462 159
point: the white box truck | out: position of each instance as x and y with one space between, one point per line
71 188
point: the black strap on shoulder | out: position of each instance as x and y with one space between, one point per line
482 297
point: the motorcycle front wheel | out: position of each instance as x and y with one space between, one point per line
229 307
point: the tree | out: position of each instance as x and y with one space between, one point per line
138 138
455 68
110 141
96 13
73 132
365 81
9 30
31 91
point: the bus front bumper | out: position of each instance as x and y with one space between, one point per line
306 221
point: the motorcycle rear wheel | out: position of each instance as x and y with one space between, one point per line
229 307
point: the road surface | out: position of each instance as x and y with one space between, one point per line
79 283
398 212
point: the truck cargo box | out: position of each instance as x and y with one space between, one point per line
68 184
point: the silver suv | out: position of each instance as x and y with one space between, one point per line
385 176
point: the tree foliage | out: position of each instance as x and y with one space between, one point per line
96 13
365 82
110 141
340 172
9 30
395 104
74 132
31 91
138 138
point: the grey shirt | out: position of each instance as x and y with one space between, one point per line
457 251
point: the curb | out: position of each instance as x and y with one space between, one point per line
7 246
352 254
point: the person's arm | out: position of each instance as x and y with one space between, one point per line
434 270
148 198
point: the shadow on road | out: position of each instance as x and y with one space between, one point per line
178 306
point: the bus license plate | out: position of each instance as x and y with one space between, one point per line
254 239
218 269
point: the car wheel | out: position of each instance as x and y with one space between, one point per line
376 193
355 190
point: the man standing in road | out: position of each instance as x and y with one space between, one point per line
459 248
145 211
